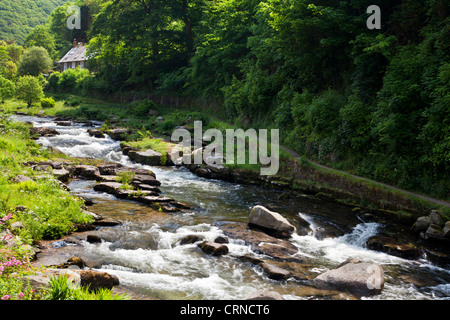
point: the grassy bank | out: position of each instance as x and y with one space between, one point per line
296 173
33 207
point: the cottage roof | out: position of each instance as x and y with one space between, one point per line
75 54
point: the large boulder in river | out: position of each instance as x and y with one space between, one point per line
359 279
272 222
261 242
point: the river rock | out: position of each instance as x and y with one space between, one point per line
221 239
92 238
43 132
270 221
118 134
106 223
140 179
215 249
63 123
192 238
108 187
147 187
422 223
446 230
440 258
436 217
392 247
274 272
96 133
96 280
264 295
87 171
359 279
261 242
41 280
147 157
62 175
109 169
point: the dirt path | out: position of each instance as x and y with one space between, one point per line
418 195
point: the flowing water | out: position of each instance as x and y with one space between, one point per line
144 252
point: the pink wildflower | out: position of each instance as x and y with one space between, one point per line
5 297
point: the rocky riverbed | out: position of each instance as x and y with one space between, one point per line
175 235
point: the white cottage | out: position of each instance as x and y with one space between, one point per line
74 58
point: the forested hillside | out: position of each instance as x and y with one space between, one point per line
19 17
373 102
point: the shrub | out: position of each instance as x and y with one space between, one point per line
47 103
34 61
6 89
29 89
142 108
64 289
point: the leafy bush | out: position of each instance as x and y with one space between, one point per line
47 103
29 89
35 61
7 89
141 108
72 78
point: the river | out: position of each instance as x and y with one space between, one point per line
144 253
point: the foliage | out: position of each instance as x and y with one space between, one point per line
47 103
125 177
29 89
19 17
63 288
7 89
34 61
41 37
373 102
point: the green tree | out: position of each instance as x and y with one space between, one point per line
134 42
29 89
41 37
35 61
6 89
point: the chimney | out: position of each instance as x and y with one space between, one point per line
74 43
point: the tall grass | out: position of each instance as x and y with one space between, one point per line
62 288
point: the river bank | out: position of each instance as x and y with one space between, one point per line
125 240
